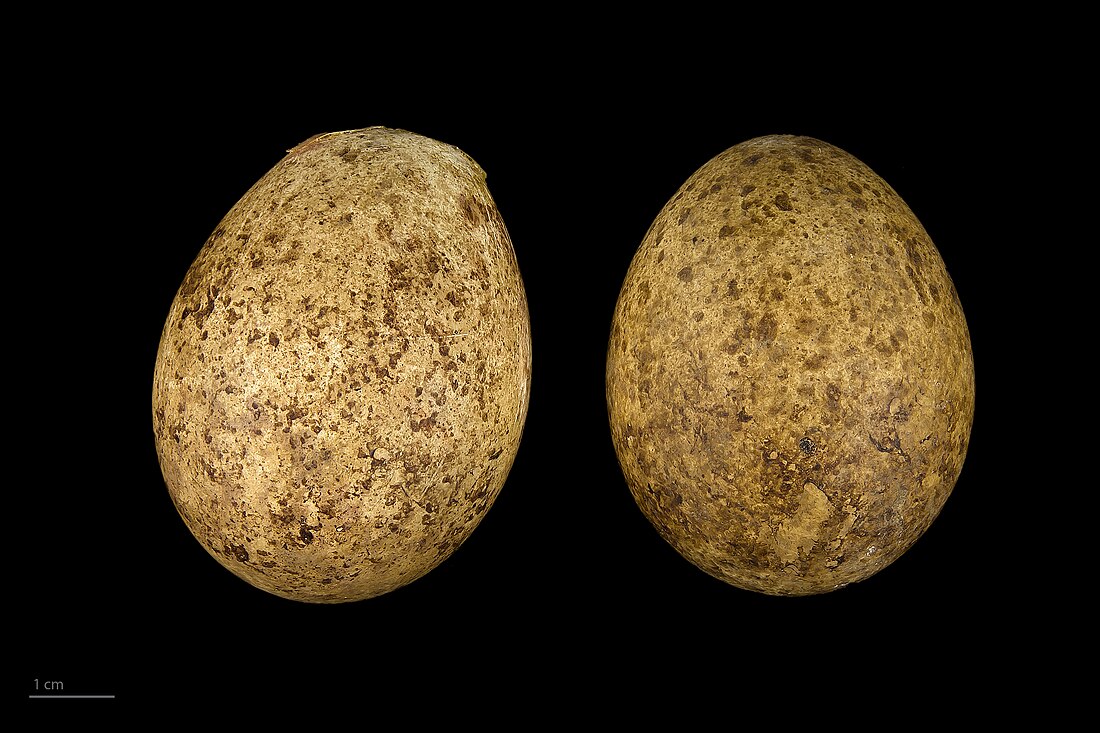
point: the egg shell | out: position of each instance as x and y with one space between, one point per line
790 380
343 377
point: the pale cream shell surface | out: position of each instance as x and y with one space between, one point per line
343 377
790 379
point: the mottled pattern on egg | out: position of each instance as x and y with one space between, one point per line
790 380
343 377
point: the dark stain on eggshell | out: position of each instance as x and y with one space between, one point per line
343 377
791 406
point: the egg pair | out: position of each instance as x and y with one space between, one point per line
343 377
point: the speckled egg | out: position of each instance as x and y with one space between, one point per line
790 380
343 377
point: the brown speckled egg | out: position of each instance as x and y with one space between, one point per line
343 377
790 380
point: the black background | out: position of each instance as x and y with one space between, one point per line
564 586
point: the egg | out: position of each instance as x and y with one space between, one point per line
342 379
790 378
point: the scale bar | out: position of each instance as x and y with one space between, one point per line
74 697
